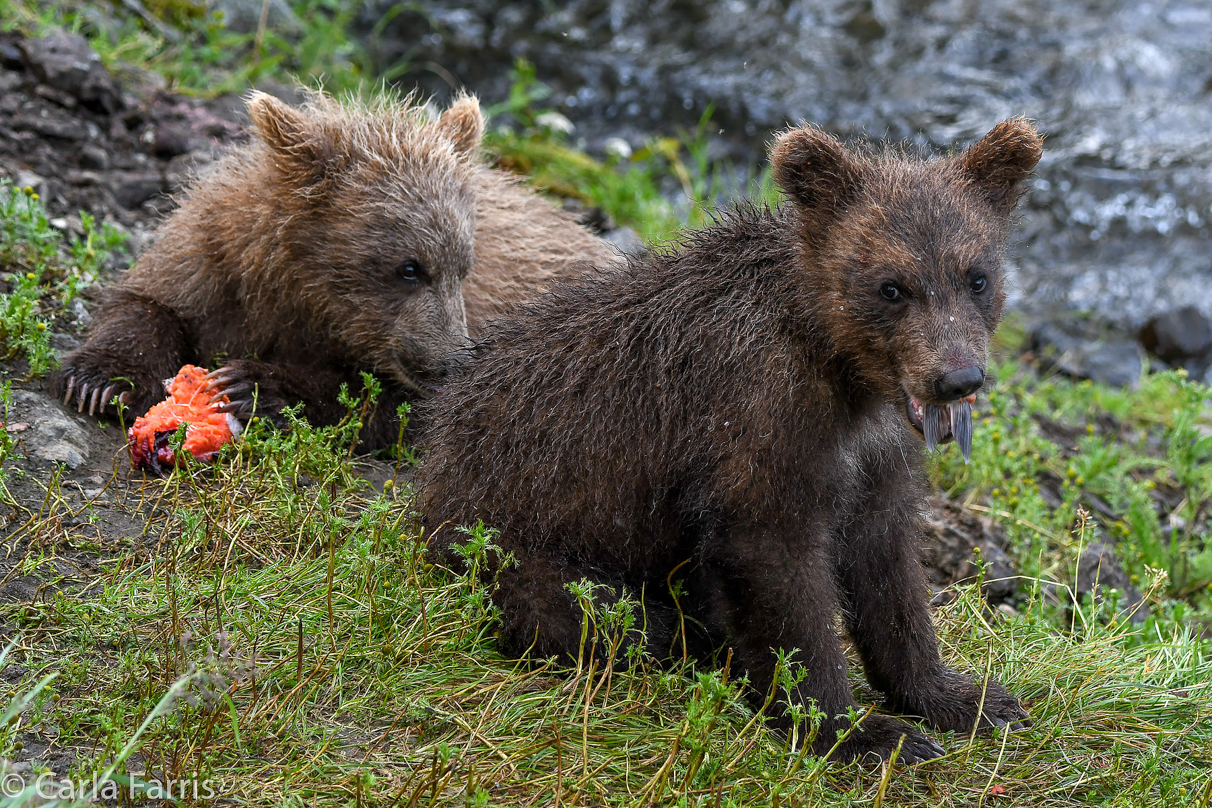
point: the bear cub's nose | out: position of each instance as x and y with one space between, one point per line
959 383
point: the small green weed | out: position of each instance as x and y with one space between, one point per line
42 272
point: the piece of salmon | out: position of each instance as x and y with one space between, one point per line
189 403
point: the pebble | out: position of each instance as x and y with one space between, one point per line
1085 350
1182 337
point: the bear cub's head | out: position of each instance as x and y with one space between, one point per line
375 218
902 262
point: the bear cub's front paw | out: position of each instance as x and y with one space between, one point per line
955 699
248 392
876 738
92 388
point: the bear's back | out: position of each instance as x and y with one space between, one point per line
619 404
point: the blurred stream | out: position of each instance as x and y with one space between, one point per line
1118 221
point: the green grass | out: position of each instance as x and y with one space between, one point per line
44 272
1136 462
632 190
330 662
202 56
321 658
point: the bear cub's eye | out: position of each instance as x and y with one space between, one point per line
978 284
412 272
890 291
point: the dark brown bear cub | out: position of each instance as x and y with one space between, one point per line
749 402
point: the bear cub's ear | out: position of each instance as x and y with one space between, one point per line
464 124
1000 161
282 127
291 134
814 169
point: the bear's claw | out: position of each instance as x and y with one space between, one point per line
919 750
244 396
954 703
878 736
98 396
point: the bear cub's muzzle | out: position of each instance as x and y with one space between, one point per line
952 418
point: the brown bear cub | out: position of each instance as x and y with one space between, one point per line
748 403
343 238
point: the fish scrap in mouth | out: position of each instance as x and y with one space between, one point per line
941 423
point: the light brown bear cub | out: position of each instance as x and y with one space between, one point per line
344 238
742 411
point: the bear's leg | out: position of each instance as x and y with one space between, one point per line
264 388
135 346
539 614
884 589
767 591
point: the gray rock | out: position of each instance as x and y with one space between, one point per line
10 56
50 433
1181 337
94 157
1086 350
1117 363
187 168
28 179
58 96
63 343
171 140
9 81
132 190
1098 573
626 241
66 62
83 318
244 16
62 127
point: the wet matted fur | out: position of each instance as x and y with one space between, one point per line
740 402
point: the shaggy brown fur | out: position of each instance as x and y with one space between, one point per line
523 244
337 241
740 403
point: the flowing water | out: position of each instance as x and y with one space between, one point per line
1118 220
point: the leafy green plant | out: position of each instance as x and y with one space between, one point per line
28 245
43 273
